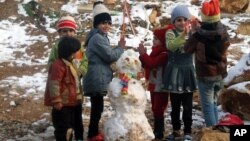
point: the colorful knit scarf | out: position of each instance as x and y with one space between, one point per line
125 77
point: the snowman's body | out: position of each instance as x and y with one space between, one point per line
129 122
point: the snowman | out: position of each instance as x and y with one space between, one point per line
128 99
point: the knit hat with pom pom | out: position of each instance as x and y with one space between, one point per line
67 22
159 33
210 11
100 14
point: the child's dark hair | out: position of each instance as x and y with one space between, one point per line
67 46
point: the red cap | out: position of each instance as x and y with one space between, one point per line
230 119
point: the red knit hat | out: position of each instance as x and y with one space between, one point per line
210 11
160 33
67 22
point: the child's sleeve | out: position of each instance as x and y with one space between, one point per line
153 62
55 78
190 45
53 53
83 64
173 43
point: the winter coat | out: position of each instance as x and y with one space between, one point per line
154 65
54 55
61 85
179 74
100 56
209 44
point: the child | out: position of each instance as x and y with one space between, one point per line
179 78
63 91
100 56
209 44
66 27
154 65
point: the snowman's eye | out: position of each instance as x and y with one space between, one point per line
127 59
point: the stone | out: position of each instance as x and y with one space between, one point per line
248 8
240 72
109 2
244 28
208 134
233 6
235 99
152 16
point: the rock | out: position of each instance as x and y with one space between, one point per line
233 6
152 17
235 99
244 28
195 2
86 8
208 134
248 8
240 72
109 2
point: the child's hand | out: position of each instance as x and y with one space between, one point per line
58 106
141 49
195 24
122 42
186 28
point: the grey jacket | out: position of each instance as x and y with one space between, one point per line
100 56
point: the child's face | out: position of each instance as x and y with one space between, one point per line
156 41
67 32
179 23
104 26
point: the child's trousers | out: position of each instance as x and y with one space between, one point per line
159 101
97 104
65 119
186 100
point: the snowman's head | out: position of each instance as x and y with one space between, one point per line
129 62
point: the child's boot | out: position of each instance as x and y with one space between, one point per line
187 137
159 128
173 136
98 137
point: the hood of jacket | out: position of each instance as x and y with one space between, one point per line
92 32
212 31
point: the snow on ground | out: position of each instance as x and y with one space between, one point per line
14 37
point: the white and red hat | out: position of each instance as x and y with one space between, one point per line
67 22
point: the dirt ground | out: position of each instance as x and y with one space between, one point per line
27 110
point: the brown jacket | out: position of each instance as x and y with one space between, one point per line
210 44
61 85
